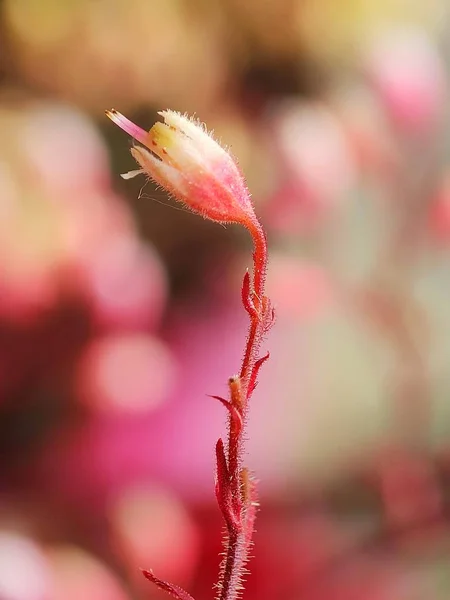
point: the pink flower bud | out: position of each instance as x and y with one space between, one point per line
182 157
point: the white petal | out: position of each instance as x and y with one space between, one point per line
132 174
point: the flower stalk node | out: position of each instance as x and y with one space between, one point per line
235 386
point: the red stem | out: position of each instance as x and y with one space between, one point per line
235 489
243 499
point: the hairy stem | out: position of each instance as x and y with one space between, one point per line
239 484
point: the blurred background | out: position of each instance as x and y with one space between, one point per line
119 311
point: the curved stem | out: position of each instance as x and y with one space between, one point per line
239 484
259 257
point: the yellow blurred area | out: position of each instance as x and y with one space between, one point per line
182 52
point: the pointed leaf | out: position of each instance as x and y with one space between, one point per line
234 413
247 296
254 375
223 490
170 588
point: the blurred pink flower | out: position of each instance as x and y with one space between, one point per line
409 75
125 373
25 573
64 151
316 165
57 213
123 282
151 528
300 290
78 574
368 130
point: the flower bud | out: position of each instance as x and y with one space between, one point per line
184 159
